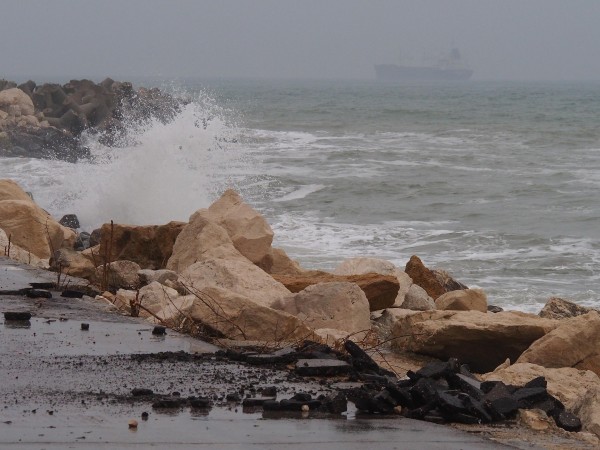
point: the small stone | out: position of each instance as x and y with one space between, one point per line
145 416
159 330
398 410
132 423
305 408
85 326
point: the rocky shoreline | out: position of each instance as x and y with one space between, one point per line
48 121
218 277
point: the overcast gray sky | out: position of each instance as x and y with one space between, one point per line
502 39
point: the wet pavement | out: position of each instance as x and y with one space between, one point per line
64 387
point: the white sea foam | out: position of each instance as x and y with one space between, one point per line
300 193
170 171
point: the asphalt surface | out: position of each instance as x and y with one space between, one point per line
63 387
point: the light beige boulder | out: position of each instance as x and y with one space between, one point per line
121 275
148 276
156 297
463 300
18 254
364 265
74 263
234 316
416 299
199 240
337 305
283 264
16 97
558 308
173 313
570 343
10 190
588 410
250 233
479 339
237 275
33 229
123 299
388 318
333 337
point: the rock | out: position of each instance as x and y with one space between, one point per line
10 190
201 239
237 275
587 408
249 231
132 423
283 264
321 367
479 339
380 290
69 221
19 254
535 419
558 308
149 246
361 266
463 300
17 316
161 276
417 299
570 343
338 305
73 263
234 316
15 97
449 283
155 297
424 277
121 275
33 229
159 331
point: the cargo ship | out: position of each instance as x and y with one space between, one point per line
449 68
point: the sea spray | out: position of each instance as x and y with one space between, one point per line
164 172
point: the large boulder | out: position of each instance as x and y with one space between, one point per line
162 276
558 308
283 264
417 299
481 340
236 275
249 231
15 98
424 277
33 229
149 246
463 300
578 390
234 316
18 254
363 265
155 297
199 240
73 263
570 344
338 305
381 290
119 275
10 190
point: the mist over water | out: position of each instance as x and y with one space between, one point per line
495 182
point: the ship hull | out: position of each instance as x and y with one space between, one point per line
392 72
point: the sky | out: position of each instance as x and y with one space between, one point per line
321 39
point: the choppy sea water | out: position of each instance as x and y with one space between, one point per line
495 182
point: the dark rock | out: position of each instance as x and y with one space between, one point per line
538 382
568 421
424 391
43 285
159 330
502 408
551 406
476 408
85 326
321 367
95 237
450 404
335 403
145 416
282 356
402 395
362 362
70 221
141 392
296 405
17 316
494 309
233 397
199 402
269 391
168 403
528 396
38 293
466 384
70 293
435 369
302 397
271 405
255 401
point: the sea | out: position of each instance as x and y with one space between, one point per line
495 182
